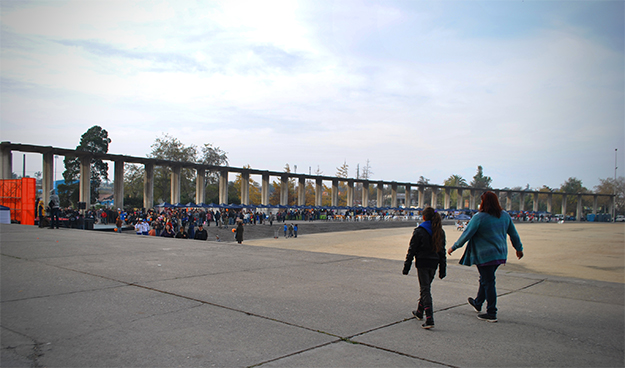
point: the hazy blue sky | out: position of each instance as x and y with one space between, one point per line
531 90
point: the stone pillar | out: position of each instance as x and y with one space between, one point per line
223 187
522 202
472 199
447 198
6 163
549 202
421 191
118 184
175 184
318 192
284 190
535 201
200 184
47 180
434 200
393 194
460 204
380 196
301 191
580 208
264 194
612 209
245 187
350 193
148 185
335 192
564 199
365 194
595 203
85 180
408 190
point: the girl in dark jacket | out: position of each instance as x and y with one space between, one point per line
427 247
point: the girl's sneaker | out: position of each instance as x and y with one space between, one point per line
429 323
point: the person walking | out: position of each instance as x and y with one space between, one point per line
239 231
427 248
487 249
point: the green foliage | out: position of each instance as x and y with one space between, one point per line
95 140
480 180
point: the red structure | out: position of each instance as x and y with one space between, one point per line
19 196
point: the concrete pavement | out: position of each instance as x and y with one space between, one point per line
75 298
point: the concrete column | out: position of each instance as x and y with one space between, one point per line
393 194
580 208
335 192
245 187
595 203
284 190
6 163
365 194
535 201
118 184
421 191
408 190
447 198
318 192
301 191
175 184
223 186
472 200
380 196
85 180
434 200
200 184
148 186
564 199
350 193
549 202
522 202
47 180
612 209
264 194
460 204
508 201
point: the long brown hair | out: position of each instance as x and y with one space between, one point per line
429 214
490 204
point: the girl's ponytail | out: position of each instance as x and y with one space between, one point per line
437 233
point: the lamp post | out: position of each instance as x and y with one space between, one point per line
614 188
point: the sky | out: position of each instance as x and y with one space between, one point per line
533 91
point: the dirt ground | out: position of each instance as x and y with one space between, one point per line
593 251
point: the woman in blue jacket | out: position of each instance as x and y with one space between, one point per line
487 236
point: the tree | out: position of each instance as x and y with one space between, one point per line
94 140
274 197
609 186
254 188
343 170
481 181
213 156
170 148
455 181
572 185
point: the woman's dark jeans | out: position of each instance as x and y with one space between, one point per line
487 291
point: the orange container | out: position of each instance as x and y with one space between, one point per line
19 196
